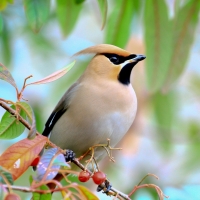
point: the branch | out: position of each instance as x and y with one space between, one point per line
16 115
114 191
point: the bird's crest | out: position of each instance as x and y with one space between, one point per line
103 48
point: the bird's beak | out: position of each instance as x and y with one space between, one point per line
134 60
138 58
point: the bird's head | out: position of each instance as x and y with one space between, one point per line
112 62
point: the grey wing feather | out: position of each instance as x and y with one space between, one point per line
61 108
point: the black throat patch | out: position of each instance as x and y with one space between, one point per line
125 73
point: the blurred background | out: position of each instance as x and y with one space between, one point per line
39 37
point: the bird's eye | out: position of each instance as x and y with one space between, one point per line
114 59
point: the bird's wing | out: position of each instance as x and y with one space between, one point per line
61 108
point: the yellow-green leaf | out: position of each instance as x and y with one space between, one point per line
87 193
3 4
10 1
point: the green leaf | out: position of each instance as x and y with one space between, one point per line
5 177
6 47
37 12
29 112
1 24
6 76
27 109
67 13
184 26
87 193
10 1
119 23
103 5
158 39
79 1
164 107
38 196
9 127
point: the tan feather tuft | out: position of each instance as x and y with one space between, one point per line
103 48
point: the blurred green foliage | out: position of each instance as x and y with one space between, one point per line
168 43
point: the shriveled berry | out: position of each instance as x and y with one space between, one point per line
12 196
99 177
35 161
84 176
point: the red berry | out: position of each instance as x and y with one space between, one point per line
99 177
12 197
35 161
84 176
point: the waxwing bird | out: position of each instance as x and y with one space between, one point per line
102 103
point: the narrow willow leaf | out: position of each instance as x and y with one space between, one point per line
5 177
119 23
158 39
6 75
29 112
54 76
10 127
18 157
37 12
68 13
103 5
184 26
87 193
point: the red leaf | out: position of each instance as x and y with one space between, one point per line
54 76
18 157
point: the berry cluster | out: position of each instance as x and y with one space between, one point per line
98 177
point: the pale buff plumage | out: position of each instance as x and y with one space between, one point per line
98 106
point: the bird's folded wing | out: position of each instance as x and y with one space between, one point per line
61 108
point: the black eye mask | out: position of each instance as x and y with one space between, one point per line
116 59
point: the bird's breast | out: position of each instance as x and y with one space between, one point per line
95 114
